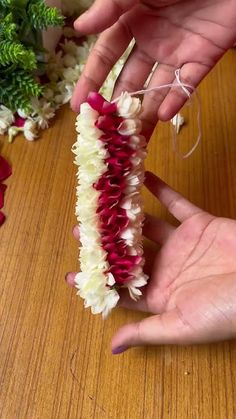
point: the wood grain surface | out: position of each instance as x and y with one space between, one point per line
55 357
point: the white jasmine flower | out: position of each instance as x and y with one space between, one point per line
178 121
69 60
6 118
71 74
130 127
30 130
54 66
128 106
69 47
134 285
58 99
66 89
48 93
42 112
12 132
22 113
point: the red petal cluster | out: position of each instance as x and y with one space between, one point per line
5 172
112 184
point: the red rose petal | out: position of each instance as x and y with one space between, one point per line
19 122
2 190
109 108
96 101
5 169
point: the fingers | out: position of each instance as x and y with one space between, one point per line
102 14
190 74
167 328
131 80
176 204
111 44
162 75
135 72
157 230
126 302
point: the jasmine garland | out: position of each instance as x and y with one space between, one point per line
109 152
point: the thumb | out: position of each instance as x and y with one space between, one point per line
167 328
102 14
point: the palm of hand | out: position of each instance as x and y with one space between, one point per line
177 34
193 283
193 275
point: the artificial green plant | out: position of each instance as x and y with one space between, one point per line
21 49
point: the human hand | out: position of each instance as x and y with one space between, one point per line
192 289
191 35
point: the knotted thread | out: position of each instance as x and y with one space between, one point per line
184 87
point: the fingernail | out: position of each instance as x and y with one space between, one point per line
119 350
70 279
76 232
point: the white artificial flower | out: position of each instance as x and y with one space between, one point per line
178 121
6 118
42 112
30 130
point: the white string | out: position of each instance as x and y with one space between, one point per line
184 87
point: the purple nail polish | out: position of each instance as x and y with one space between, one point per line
119 350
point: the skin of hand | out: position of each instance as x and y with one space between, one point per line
191 293
186 34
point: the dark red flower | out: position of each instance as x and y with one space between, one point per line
97 102
5 172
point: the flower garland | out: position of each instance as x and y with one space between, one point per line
109 152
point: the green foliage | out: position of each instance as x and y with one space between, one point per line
21 22
8 28
41 16
16 53
6 3
17 88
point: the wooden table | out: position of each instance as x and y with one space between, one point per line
55 358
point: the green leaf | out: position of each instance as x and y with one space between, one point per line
14 52
17 90
8 28
41 16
